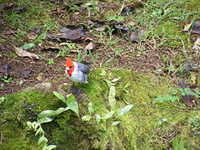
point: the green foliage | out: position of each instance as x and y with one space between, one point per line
124 110
50 61
36 126
28 46
115 18
6 79
195 123
166 98
178 144
47 116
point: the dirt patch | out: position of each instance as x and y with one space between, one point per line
17 73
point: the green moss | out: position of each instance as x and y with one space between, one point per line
141 128
37 15
172 36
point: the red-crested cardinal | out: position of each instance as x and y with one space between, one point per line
76 71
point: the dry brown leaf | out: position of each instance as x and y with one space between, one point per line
90 46
196 44
23 53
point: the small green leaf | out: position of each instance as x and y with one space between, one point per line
124 110
116 80
108 115
50 147
49 115
111 97
98 118
86 118
29 124
72 104
39 131
115 123
42 139
90 108
60 97
28 46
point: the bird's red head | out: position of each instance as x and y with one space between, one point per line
69 66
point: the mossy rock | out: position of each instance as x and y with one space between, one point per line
141 128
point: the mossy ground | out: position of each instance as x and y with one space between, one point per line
141 128
148 125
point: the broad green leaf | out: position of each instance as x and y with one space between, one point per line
115 123
108 115
60 97
45 120
42 139
111 97
49 115
50 147
124 110
72 104
86 118
28 46
90 108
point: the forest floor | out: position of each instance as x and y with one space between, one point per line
157 37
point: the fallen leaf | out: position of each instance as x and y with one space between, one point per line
23 53
196 44
187 27
134 37
90 46
196 27
130 9
68 34
26 73
193 77
5 68
20 9
188 96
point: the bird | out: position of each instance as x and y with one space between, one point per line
76 71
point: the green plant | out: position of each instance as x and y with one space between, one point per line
6 79
40 132
178 144
47 116
118 51
195 123
175 95
50 61
66 49
114 114
2 100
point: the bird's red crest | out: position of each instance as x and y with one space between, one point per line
69 62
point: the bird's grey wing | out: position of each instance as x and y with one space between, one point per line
84 68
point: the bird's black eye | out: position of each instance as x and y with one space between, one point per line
70 67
